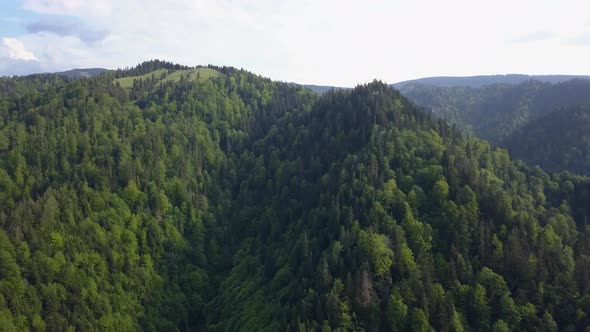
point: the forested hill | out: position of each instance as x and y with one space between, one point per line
211 199
321 89
493 112
558 141
82 72
112 214
483 80
499 113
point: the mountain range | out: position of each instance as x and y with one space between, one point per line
438 81
171 198
515 117
483 80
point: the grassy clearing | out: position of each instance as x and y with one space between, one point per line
127 82
195 74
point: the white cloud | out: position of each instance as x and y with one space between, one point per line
16 60
16 50
338 42
69 7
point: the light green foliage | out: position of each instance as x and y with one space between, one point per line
197 74
127 82
440 191
480 309
397 313
418 234
164 75
378 251
389 191
418 321
500 326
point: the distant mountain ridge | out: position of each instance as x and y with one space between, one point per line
494 111
462 81
482 80
82 72
557 141
319 89
538 122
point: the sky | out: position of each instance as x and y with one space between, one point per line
328 42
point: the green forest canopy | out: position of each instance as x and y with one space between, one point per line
537 122
235 203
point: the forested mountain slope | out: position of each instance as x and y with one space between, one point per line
558 141
483 80
493 112
516 117
235 203
110 212
82 72
366 214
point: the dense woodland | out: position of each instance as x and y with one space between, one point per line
514 116
558 141
241 204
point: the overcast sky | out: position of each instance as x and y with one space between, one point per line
332 42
